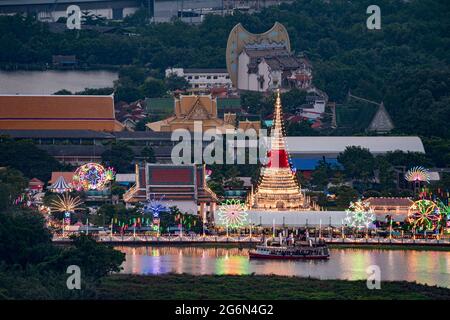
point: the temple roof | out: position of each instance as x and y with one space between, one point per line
67 176
389 202
57 134
58 112
191 108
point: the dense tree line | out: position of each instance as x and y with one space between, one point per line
24 156
31 266
406 63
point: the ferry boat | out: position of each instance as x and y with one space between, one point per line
289 249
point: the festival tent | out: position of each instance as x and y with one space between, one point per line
60 186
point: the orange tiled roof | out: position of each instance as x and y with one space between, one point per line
27 112
68 176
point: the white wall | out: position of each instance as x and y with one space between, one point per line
107 13
263 71
203 82
243 76
190 207
293 218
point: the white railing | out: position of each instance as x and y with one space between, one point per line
248 239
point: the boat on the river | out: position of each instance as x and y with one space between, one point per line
290 249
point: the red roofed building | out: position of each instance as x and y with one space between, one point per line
130 114
183 186
35 185
58 112
395 207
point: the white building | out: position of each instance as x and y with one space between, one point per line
52 10
316 111
202 79
307 151
332 146
263 68
291 218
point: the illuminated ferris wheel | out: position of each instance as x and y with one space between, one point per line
424 215
92 176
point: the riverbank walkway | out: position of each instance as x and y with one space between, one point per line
138 239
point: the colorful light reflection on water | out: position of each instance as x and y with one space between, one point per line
427 267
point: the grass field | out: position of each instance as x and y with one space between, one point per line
174 287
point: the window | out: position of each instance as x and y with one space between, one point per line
208 77
190 77
196 77
215 77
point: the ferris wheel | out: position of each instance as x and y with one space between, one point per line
424 215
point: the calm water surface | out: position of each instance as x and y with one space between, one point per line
48 82
426 267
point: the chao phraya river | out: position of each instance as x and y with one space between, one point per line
425 267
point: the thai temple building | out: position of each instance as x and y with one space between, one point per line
183 186
278 188
189 109
58 112
263 62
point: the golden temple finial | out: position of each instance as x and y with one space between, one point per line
278 101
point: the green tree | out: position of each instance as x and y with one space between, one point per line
359 163
141 125
386 173
302 128
408 159
293 99
26 157
344 195
127 93
148 154
23 238
133 74
321 175
63 92
173 82
153 88
120 156
12 184
96 260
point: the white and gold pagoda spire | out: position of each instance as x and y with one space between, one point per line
278 188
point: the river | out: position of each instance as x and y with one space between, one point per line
48 82
425 267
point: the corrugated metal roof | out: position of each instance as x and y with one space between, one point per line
335 145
